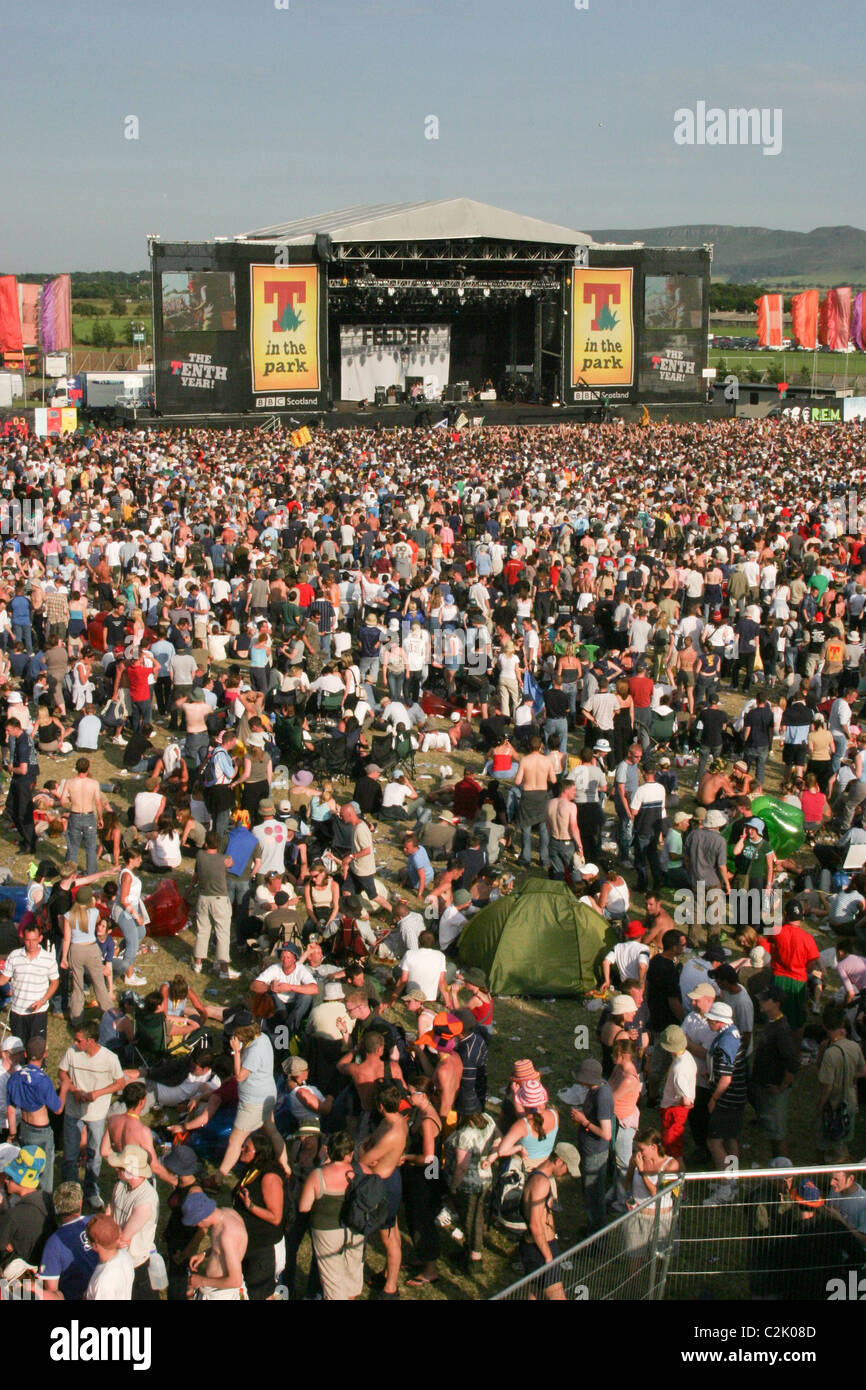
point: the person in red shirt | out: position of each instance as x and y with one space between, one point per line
640 687
794 955
141 676
306 594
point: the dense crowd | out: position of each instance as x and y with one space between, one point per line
643 650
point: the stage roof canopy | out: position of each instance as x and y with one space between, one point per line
449 219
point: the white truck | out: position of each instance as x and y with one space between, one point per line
100 392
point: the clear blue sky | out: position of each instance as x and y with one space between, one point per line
251 115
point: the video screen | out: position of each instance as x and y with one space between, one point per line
672 301
200 301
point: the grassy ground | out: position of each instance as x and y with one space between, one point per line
542 1029
830 367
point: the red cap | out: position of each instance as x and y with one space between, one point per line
634 930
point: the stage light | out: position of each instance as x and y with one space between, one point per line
486 294
434 291
461 291
528 293
391 291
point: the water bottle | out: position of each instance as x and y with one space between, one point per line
157 1272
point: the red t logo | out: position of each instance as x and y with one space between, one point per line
286 293
601 296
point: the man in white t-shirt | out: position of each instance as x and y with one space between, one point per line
271 837
113 1277
424 969
292 985
135 1207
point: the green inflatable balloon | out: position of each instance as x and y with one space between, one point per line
785 825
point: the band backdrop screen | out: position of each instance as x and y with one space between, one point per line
374 355
238 327
635 325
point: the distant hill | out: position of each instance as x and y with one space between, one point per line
825 256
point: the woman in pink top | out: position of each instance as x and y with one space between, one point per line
625 1083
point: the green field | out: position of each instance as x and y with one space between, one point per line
834 368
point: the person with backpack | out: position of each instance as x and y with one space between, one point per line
339 1251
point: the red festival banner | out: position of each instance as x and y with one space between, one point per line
10 315
769 320
834 319
804 318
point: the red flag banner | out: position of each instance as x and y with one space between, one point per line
28 300
804 318
769 320
10 315
834 319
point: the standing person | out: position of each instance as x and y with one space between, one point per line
360 863
259 1200
794 955
114 1275
775 1064
134 1205
678 1094
758 731
652 1169
595 1119
33 975
214 908
89 1076
648 808
626 782
23 768
130 914
84 798
339 1252
81 954
564 832
840 1069
222 1278
539 1246
68 1260
535 775
590 784
625 1084
30 1095
471 1182
382 1154
422 1163
726 1061
253 1062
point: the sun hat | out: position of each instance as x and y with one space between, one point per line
267 805
742 765
462 898
755 823
622 1004
199 698
304 778
284 808
524 1070
415 993
715 820
720 1013
602 746
295 1066
673 1039
182 1161
444 1032
781 1161
589 1073
569 1155
27 1168
197 1207
532 1095
255 740
8 1154
133 1157
589 871
634 930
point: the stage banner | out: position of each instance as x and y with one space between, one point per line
55 315
10 315
284 327
602 327
28 302
804 318
858 327
385 355
55 421
769 320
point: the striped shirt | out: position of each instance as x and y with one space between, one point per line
29 978
727 1057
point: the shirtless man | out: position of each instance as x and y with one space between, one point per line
539 1246
222 1278
715 784
658 920
448 1069
195 711
535 775
366 1074
82 795
382 1154
563 830
129 1128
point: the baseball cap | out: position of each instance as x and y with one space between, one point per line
568 1154
634 930
702 991
808 1194
12 1044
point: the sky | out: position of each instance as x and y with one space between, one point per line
248 115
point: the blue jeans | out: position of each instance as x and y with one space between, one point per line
142 713
561 855
72 1127
81 830
646 856
759 757
543 844
133 935
22 632
554 728
622 1149
195 747
593 1178
624 834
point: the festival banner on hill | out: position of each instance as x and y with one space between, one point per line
602 326
804 318
284 327
11 339
769 320
834 319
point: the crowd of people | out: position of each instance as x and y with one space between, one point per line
357 690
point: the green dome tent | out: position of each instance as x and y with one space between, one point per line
541 940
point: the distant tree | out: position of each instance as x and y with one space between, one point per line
103 334
118 308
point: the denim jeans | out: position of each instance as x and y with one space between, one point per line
561 855
646 856
543 844
593 1178
22 632
194 749
142 713
624 834
556 728
133 935
72 1128
759 757
81 830
622 1154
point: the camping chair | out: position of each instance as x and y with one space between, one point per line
330 704
404 752
663 730
588 651
334 757
150 1042
382 751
